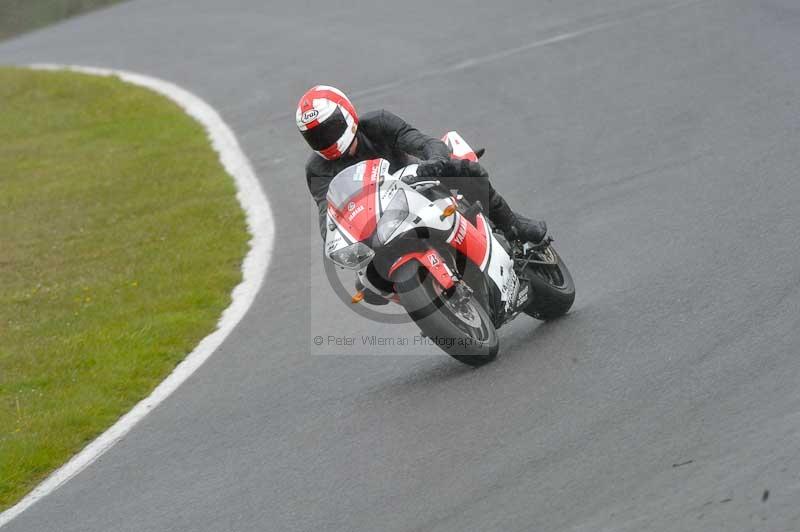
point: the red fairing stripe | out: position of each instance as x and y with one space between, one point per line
471 241
359 217
432 261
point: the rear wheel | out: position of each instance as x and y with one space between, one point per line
553 290
457 323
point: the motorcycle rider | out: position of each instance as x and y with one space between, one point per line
328 122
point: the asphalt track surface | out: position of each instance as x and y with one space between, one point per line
659 140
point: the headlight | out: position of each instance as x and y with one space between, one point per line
395 214
353 257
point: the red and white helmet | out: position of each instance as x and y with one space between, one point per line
327 120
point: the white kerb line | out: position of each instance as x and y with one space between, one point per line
260 225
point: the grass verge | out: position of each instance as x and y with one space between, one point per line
19 16
120 241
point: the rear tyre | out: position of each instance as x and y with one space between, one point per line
464 331
553 290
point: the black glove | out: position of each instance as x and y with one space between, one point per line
411 179
431 168
467 168
460 168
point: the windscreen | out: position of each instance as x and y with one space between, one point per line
348 185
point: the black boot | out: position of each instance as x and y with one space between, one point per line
529 230
478 188
515 226
369 296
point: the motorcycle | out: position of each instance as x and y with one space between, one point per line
430 250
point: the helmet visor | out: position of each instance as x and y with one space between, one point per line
327 133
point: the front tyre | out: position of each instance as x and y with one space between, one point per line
552 288
461 329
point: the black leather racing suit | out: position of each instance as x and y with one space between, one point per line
382 134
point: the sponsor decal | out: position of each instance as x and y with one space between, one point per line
461 232
522 297
351 206
376 168
355 213
433 260
509 288
334 242
309 116
359 175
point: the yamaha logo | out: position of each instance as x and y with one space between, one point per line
351 206
354 213
309 116
461 233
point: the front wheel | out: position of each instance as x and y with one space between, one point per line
553 290
459 326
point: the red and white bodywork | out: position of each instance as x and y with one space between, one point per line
370 208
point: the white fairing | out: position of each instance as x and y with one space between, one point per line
422 212
429 213
333 238
501 270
